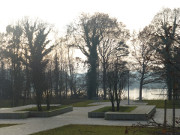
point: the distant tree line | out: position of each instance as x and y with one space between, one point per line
36 64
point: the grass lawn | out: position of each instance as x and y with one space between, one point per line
160 103
73 102
83 103
100 130
122 109
6 125
44 108
107 100
6 103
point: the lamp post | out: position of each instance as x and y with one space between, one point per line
128 87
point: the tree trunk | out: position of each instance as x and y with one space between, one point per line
113 108
104 80
116 85
169 81
168 68
92 72
92 82
116 97
141 82
118 106
112 99
38 101
66 85
140 89
47 100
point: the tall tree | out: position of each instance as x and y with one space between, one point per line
116 77
87 35
48 85
145 63
36 35
112 44
72 73
166 28
56 74
62 56
14 53
27 78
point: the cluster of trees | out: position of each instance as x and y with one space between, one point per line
158 54
32 66
101 39
31 60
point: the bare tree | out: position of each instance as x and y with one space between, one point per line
116 77
88 34
61 68
146 62
109 46
56 74
72 72
166 29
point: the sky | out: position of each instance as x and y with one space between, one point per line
135 14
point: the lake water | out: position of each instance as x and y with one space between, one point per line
146 94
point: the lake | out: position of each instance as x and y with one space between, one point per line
146 94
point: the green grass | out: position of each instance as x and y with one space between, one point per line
122 109
8 103
44 108
100 130
83 103
6 125
107 100
160 103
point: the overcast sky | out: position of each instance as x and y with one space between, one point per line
135 14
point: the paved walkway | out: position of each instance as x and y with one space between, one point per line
78 116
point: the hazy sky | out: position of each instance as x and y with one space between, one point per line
134 13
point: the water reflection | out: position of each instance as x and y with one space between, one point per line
146 93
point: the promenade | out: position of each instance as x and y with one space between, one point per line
79 115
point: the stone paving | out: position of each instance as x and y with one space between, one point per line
78 116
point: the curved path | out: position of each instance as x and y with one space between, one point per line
78 116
